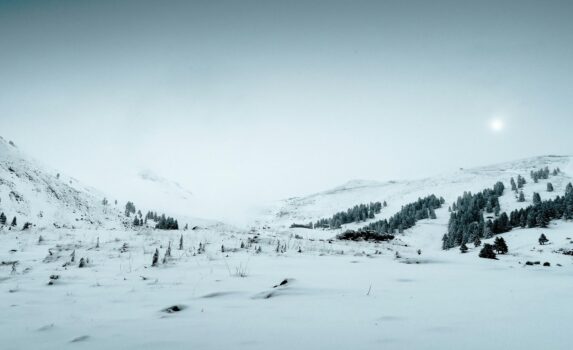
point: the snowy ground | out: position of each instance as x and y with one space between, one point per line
358 299
337 295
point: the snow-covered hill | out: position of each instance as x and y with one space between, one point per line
276 287
33 193
398 193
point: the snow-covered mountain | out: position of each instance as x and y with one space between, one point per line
100 288
33 193
398 193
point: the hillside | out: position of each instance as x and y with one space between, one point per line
219 287
33 193
398 193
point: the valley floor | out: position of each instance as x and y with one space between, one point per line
337 296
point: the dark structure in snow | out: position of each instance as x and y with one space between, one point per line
365 235
487 252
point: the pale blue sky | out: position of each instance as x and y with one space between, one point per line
257 100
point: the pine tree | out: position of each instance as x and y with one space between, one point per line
14 222
536 198
181 243
129 208
463 248
542 219
500 246
167 254
513 185
549 187
543 239
520 181
521 197
432 214
155 257
488 207
487 230
477 242
487 252
2 219
445 244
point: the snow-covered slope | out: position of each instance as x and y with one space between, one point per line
398 193
34 193
230 289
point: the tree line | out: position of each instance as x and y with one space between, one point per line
423 208
162 222
543 173
467 223
360 212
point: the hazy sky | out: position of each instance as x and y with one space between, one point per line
247 101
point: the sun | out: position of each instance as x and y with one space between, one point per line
496 125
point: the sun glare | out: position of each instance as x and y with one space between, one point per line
496 125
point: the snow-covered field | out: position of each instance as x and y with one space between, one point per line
339 295
231 289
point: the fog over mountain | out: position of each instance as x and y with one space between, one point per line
252 101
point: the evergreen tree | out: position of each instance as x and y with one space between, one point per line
445 244
463 248
542 218
155 257
500 246
432 213
487 252
14 222
2 219
536 198
129 208
513 185
487 230
488 207
543 239
520 181
521 197
477 242
168 251
549 187
181 243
